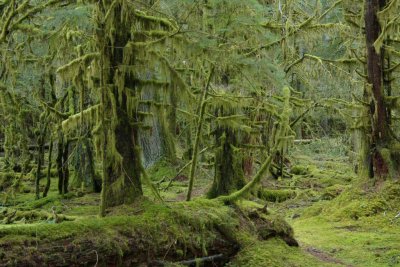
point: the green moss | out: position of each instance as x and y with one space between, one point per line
38 203
188 227
192 227
274 253
333 191
276 195
276 226
300 170
248 205
7 179
161 170
313 210
306 195
371 242
354 203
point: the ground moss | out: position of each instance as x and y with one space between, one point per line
333 191
300 170
276 195
7 179
274 253
189 225
182 230
161 170
369 242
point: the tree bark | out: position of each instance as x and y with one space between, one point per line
378 110
62 164
229 175
121 172
47 188
40 159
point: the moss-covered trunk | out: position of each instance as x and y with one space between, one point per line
40 159
121 155
48 180
229 175
380 131
123 182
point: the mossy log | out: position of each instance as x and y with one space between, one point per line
183 232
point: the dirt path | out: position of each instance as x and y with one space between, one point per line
323 256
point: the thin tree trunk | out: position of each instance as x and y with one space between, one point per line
40 159
65 168
59 162
62 164
47 188
203 104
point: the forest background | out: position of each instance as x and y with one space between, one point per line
238 104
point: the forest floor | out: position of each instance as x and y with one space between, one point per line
338 220
337 217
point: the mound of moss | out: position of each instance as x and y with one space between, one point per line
355 202
146 233
276 195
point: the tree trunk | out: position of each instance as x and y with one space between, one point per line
47 188
40 159
229 175
96 183
121 153
380 155
62 164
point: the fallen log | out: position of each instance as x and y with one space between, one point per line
202 231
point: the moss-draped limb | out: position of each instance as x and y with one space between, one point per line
298 28
255 181
11 13
162 21
53 110
85 59
320 59
148 182
15 16
90 115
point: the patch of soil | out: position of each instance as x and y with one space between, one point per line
181 178
195 193
325 257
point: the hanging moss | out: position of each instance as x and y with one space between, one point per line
90 115
122 117
283 138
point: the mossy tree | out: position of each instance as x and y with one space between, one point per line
124 40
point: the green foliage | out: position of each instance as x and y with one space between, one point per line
126 77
